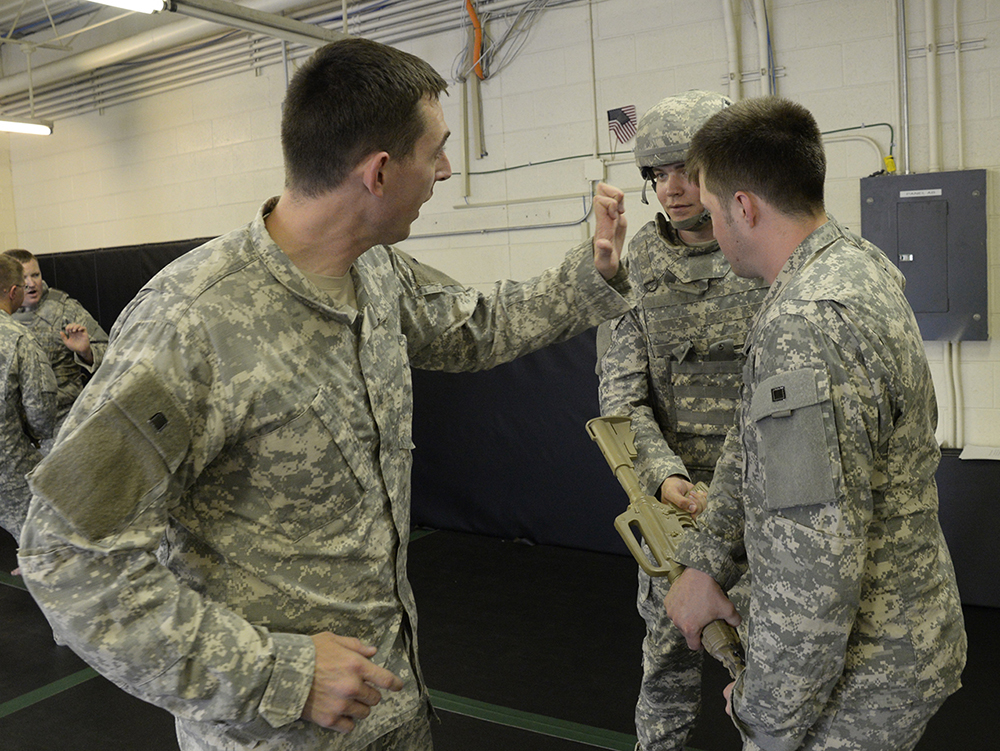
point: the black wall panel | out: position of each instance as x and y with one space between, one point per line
104 280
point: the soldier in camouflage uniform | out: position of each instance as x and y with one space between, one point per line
28 388
70 337
673 365
222 525
854 632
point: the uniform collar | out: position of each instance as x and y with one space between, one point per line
366 271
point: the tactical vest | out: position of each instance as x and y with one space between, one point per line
696 313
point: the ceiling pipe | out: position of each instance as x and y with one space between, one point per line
146 43
230 14
106 89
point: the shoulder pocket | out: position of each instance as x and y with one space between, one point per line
118 458
797 445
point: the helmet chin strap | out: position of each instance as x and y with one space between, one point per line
692 223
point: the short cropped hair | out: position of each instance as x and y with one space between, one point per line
11 272
768 146
352 98
20 255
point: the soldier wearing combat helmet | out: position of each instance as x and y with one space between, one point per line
673 365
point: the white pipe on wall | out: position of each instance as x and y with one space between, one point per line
933 126
863 139
948 431
958 400
732 50
764 62
960 120
904 88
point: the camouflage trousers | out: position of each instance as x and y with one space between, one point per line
412 735
866 728
14 510
670 693
15 495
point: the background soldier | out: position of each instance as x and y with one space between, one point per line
28 389
70 337
854 633
673 365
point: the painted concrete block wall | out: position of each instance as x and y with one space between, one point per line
199 161
8 224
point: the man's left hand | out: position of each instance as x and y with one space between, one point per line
609 235
77 340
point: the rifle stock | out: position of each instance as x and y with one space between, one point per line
660 525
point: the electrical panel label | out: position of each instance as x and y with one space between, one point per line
920 193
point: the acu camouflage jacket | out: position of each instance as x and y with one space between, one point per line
828 479
256 440
45 321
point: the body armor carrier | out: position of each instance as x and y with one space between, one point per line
696 313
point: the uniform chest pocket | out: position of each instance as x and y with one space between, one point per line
314 468
797 446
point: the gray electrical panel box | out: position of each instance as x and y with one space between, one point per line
933 226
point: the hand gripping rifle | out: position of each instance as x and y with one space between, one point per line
661 526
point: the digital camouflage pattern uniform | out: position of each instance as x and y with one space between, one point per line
55 309
854 614
260 438
673 365
28 388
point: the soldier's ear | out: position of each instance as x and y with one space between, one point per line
746 208
373 172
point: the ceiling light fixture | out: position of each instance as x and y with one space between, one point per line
237 17
138 6
28 125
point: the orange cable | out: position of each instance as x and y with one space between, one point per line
477 39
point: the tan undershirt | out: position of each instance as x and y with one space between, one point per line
339 288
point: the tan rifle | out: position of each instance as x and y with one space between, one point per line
661 525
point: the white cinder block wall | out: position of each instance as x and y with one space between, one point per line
199 161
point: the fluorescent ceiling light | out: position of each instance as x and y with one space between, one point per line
139 6
236 17
25 125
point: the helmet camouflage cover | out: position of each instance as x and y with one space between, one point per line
665 131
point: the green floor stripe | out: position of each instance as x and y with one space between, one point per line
40 694
12 581
416 534
535 723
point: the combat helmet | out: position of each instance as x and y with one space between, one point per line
665 131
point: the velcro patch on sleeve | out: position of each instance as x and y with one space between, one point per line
798 444
100 474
